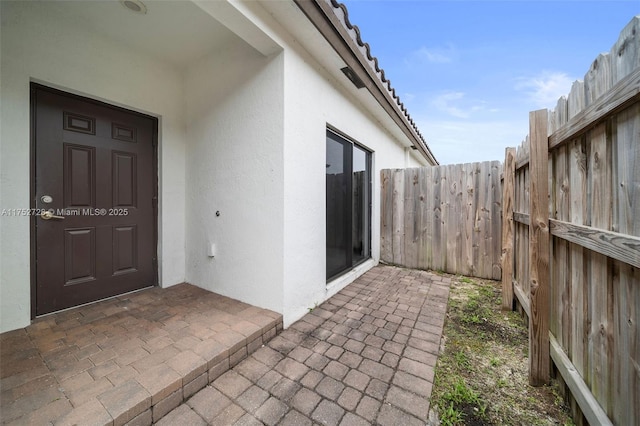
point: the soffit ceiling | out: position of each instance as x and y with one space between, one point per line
177 32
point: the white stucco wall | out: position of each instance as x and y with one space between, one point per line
313 99
235 167
38 48
305 166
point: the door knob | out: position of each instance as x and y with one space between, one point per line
48 215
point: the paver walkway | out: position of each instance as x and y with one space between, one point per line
365 356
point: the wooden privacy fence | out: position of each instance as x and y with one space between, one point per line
571 249
443 218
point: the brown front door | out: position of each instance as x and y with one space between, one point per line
95 177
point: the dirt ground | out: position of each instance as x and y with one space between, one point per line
482 370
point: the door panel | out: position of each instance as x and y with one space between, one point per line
348 204
338 205
79 175
97 164
80 255
125 242
124 179
361 214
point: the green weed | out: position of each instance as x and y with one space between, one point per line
472 305
461 394
450 416
461 360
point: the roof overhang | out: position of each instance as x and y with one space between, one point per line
331 20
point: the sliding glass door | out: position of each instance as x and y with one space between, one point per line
348 176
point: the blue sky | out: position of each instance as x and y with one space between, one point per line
469 72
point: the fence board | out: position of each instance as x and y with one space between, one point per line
578 214
470 206
625 54
445 205
482 222
508 199
539 250
599 209
411 227
398 216
425 212
439 234
386 222
628 185
561 291
495 224
453 218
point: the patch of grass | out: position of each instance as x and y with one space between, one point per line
472 319
450 416
472 305
461 394
461 360
488 292
474 310
482 374
463 403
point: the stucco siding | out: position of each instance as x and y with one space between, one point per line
313 100
315 97
235 159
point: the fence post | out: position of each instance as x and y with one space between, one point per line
508 196
539 362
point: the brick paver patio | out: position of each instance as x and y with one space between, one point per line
185 356
365 356
129 359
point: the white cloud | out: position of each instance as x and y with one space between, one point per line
456 104
408 97
465 141
433 55
546 88
445 103
437 56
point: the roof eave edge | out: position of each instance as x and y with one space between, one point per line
322 16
